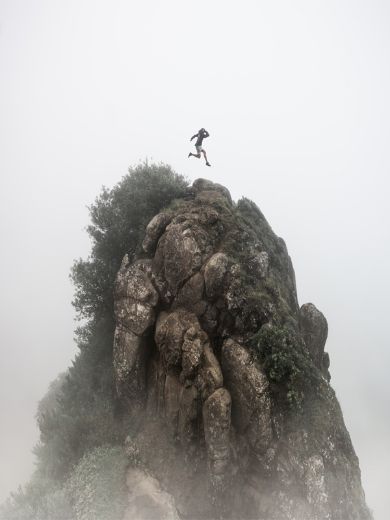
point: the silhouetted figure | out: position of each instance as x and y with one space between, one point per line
202 134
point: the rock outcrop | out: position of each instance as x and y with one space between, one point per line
224 378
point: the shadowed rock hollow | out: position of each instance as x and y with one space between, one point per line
223 377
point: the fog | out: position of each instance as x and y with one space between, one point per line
295 96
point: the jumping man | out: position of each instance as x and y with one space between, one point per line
202 134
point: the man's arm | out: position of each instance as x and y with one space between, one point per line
193 137
206 134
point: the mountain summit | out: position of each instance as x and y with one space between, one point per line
222 376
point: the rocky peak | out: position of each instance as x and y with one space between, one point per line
223 377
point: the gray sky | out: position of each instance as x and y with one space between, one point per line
296 98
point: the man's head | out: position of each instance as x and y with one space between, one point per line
201 130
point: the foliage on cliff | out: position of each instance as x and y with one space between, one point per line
288 365
79 412
95 490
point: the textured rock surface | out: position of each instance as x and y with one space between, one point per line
147 500
314 328
154 231
249 388
217 419
228 422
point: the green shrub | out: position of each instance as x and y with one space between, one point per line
95 490
287 363
85 411
97 485
79 412
118 220
40 499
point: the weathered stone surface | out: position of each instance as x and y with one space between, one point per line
134 282
314 479
154 230
233 426
169 335
249 388
147 501
210 375
169 338
325 365
135 296
192 349
180 255
204 185
129 359
214 274
234 294
191 294
216 418
137 317
188 424
172 395
259 263
163 289
209 319
314 329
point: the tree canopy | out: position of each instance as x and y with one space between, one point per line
79 412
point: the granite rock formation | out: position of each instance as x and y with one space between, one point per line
224 377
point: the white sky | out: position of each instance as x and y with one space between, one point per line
295 96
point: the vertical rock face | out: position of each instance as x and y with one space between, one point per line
224 376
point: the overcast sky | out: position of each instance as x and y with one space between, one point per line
295 95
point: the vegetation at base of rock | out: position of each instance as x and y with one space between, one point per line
85 415
95 490
287 363
80 411
40 499
97 486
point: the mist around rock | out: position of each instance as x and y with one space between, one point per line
202 388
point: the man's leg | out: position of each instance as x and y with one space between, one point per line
197 154
205 156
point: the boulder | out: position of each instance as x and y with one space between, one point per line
214 274
179 255
249 388
190 296
314 328
135 297
169 335
154 230
146 499
134 282
137 317
204 185
217 419
129 357
192 349
210 375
